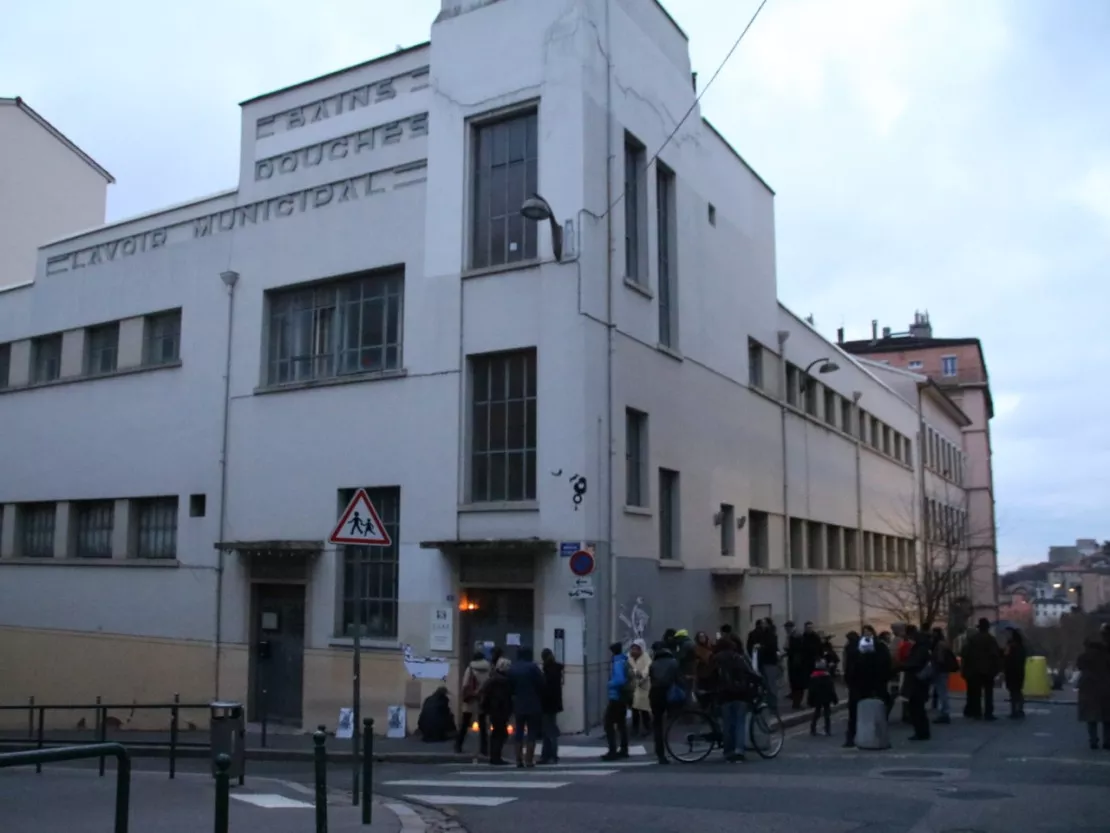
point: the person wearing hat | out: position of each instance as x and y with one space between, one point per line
981 661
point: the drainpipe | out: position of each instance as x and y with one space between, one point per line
783 335
860 554
610 504
924 499
230 279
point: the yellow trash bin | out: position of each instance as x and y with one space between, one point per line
1037 682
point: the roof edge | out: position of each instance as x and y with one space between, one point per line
59 135
736 153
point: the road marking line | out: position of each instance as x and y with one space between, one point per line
1046 760
485 785
459 800
568 751
546 771
269 801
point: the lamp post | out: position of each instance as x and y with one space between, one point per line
827 366
537 209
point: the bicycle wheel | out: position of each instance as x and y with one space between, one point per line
766 732
691 735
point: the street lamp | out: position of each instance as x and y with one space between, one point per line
537 209
827 366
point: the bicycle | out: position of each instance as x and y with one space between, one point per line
697 724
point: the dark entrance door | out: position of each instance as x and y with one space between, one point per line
277 686
498 616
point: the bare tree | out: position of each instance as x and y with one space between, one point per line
937 587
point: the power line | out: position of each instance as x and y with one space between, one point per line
697 100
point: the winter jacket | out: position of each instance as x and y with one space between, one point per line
641 669
868 672
733 677
552 699
619 671
822 692
1013 665
981 656
527 684
1094 682
768 648
496 698
663 672
473 678
918 658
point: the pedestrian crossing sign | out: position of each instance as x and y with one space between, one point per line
360 524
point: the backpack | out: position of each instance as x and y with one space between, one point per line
470 686
950 663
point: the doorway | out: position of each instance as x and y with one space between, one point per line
277 656
504 617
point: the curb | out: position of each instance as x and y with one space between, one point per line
1039 701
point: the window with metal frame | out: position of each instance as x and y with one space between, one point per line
46 358
5 365
635 454
336 329
102 348
156 527
95 520
505 173
665 241
36 530
503 427
669 508
635 209
162 338
379 568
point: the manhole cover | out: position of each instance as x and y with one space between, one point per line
912 773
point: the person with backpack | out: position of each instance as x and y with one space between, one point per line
664 692
621 688
496 699
473 678
735 684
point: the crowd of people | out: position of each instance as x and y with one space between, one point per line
729 674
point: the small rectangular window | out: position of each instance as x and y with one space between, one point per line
792 385
915 365
797 543
755 363
830 406
46 358
845 416
948 366
876 433
727 520
863 420
811 394
815 540
668 515
156 527
197 505
504 173
635 456
101 348
5 365
886 440
162 338
851 550
759 546
95 519
832 548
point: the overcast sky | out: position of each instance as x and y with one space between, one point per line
944 155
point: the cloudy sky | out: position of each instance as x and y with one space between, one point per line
944 155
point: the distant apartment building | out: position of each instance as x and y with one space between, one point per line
1072 554
50 188
958 367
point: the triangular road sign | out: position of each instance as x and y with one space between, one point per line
359 525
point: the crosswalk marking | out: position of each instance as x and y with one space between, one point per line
483 785
269 801
462 800
545 772
568 751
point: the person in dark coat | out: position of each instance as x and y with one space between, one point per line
867 669
981 660
527 684
796 670
768 662
496 700
1013 670
663 674
436 723
917 678
552 705
735 684
822 696
1094 687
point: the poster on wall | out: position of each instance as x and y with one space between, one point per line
424 668
345 728
443 629
395 722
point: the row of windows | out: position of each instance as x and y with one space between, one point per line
818 546
161 341
836 411
92 528
944 458
946 525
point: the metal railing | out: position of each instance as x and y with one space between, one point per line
36 726
38 757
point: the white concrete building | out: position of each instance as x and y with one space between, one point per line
369 307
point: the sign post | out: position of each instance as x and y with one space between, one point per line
359 526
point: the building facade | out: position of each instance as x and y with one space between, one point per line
958 366
371 307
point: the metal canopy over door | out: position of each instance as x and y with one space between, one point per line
491 615
277 686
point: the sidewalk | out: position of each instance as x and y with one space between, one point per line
284 745
77 801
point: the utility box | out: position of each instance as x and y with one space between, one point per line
227 729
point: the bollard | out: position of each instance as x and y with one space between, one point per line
367 767
174 724
123 791
31 718
321 757
38 744
223 787
101 730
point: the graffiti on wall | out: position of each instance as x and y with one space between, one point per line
635 619
578 483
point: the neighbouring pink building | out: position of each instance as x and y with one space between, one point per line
958 366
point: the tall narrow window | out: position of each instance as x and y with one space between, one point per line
94 528
811 393
36 530
948 366
851 549
832 548
863 420
845 416
162 338
505 173
668 515
156 527
755 363
370 574
635 457
46 358
792 385
5 365
728 529
815 541
503 427
102 348
635 209
759 545
830 406
668 288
